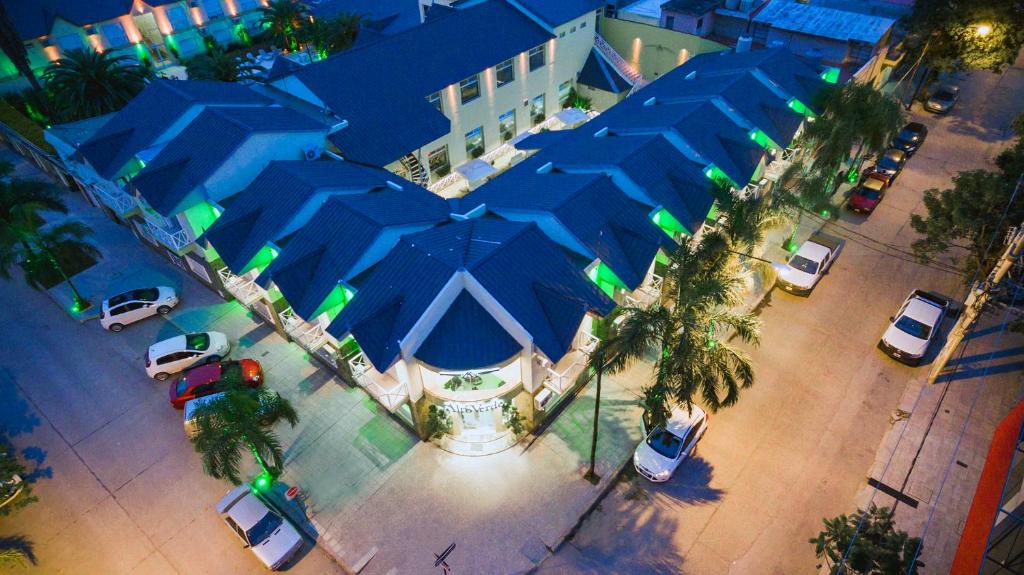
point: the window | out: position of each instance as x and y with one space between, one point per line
438 162
700 23
70 42
670 22
564 92
475 142
470 88
561 34
536 57
504 72
114 33
690 436
435 99
537 109
199 341
507 125
213 8
583 24
177 18
572 30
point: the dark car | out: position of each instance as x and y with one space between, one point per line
942 99
889 165
866 196
206 379
910 138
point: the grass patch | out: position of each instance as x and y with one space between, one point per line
42 272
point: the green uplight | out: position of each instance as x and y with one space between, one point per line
76 307
824 213
851 176
262 482
668 224
606 279
830 75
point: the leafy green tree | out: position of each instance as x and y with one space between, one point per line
85 83
693 360
878 548
218 65
283 20
326 36
979 35
14 493
967 216
654 402
242 419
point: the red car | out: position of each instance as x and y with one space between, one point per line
205 379
867 195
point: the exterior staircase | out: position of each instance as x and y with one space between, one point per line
417 174
624 68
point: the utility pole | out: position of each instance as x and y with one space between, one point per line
976 301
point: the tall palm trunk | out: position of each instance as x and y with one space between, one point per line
80 302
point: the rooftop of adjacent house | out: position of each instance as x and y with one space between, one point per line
557 12
512 264
380 88
150 114
598 73
648 9
824 22
205 145
691 7
76 133
596 219
35 18
386 16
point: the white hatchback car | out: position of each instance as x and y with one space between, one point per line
183 351
267 534
660 454
131 306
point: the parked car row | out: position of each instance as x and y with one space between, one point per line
270 537
876 180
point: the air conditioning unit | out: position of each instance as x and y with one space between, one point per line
312 152
542 399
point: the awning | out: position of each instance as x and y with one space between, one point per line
572 117
475 170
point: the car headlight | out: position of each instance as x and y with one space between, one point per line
662 475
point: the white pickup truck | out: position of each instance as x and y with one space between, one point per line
804 269
914 326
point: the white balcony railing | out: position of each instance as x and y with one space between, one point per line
177 240
778 167
309 335
118 201
561 377
388 391
587 342
449 181
243 287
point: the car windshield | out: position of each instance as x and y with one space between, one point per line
197 341
944 94
913 327
148 294
263 528
181 387
803 264
868 193
665 442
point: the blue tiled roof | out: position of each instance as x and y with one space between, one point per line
448 347
596 73
525 272
35 18
150 114
600 217
541 140
203 147
381 87
388 16
557 12
347 234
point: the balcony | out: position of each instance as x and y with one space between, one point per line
309 335
562 376
777 168
121 203
387 390
242 287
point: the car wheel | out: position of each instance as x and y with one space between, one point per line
115 327
163 310
213 359
161 376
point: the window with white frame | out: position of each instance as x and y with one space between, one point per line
537 109
504 73
475 142
537 57
507 125
470 88
438 162
435 100
564 92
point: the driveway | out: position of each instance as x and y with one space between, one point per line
799 444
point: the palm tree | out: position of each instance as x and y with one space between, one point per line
654 402
14 47
41 249
25 198
86 83
693 360
326 36
241 420
218 65
283 19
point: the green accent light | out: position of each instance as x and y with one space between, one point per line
262 482
824 213
831 75
262 259
668 223
172 44
335 301
606 279
851 176
201 216
762 139
661 258
715 174
76 307
799 107
141 52
242 34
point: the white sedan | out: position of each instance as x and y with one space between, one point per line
132 306
660 454
184 351
272 539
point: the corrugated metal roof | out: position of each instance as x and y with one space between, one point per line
150 114
824 22
203 147
448 347
596 73
557 12
381 88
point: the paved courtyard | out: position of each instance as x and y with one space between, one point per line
800 444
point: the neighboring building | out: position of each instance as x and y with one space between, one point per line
157 32
642 12
888 8
695 17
